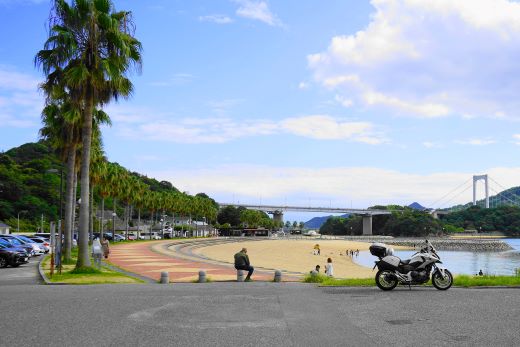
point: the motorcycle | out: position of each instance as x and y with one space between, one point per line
422 266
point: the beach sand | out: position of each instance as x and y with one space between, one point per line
296 255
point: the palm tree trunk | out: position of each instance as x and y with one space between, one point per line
91 216
69 204
74 200
114 206
138 222
127 213
151 226
102 218
86 135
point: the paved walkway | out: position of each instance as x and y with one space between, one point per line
149 259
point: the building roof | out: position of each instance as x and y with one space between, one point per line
3 225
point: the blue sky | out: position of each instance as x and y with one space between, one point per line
303 102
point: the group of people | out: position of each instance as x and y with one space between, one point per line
329 268
351 253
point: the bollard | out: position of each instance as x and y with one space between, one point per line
240 275
202 276
277 276
164 278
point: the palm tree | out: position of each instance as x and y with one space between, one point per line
95 49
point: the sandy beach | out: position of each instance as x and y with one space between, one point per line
296 255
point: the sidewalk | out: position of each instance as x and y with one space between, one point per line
139 258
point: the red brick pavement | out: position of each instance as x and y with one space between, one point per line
139 258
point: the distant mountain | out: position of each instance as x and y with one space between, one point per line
417 206
317 222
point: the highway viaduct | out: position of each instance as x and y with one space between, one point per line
277 212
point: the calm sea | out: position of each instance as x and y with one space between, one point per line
459 262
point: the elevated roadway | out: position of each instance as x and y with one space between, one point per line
277 212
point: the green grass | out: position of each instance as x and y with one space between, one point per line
480 281
330 281
86 275
465 281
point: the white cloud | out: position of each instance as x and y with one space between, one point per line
303 85
429 59
516 139
216 18
20 102
364 185
476 142
430 144
257 10
323 127
224 129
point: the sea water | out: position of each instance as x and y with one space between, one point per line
465 262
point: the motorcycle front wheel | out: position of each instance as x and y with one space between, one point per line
442 283
386 280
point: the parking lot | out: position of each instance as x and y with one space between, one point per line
23 274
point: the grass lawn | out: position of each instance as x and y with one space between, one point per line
86 276
459 281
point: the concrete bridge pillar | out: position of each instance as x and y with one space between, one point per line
278 216
367 224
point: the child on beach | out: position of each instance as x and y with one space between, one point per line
329 270
317 249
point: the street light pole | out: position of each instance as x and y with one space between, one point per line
18 225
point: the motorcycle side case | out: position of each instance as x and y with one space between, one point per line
389 263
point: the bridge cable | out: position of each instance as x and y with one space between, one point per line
456 196
505 191
504 196
446 195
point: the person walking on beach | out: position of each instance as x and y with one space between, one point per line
317 249
242 263
106 248
329 270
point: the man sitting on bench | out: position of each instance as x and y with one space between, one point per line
242 263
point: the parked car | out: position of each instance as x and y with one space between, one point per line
13 242
12 256
37 249
119 237
42 243
108 236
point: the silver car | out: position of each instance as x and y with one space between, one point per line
42 242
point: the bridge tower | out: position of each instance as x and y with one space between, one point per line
477 178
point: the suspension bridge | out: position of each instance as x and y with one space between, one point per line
438 207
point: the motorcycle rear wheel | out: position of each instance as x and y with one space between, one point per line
386 280
442 283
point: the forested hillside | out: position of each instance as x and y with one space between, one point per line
30 186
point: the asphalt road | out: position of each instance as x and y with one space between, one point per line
23 274
256 314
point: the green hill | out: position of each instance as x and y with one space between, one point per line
30 185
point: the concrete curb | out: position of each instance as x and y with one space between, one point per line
44 277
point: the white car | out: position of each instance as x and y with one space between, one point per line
42 243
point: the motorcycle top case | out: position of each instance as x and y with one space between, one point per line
389 263
378 249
